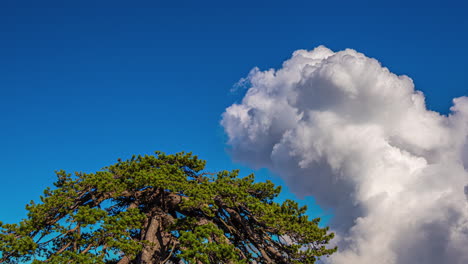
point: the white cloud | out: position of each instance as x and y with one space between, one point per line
344 129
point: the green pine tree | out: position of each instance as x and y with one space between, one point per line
162 209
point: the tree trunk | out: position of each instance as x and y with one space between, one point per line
146 255
124 260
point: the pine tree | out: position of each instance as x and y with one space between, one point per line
162 209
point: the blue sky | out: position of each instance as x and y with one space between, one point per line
85 82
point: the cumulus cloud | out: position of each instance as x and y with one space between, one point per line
341 127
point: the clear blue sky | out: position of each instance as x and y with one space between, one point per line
85 82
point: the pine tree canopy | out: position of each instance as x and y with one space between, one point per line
162 209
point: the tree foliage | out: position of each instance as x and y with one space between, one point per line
162 209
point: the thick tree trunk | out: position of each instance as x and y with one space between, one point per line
124 260
146 255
